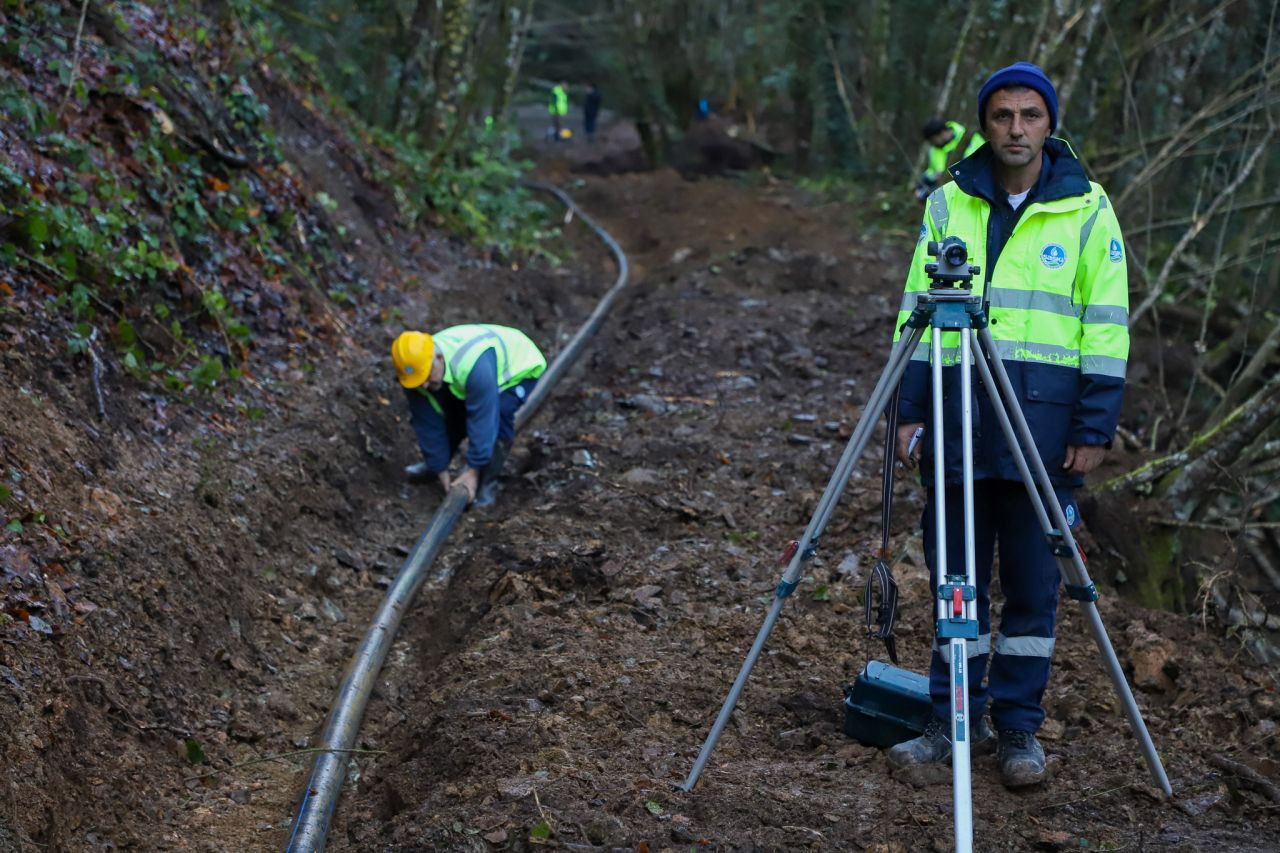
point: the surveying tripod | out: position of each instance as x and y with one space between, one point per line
949 305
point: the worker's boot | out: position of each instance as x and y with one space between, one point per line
1021 759
417 472
934 746
487 491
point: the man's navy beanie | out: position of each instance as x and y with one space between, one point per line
1019 74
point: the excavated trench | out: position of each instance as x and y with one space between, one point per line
311 824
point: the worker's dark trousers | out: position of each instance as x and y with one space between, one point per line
1018 671
509 401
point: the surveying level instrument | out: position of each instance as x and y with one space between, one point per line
949 305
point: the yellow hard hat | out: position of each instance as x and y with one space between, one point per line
412 352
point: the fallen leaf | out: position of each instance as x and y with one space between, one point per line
195 752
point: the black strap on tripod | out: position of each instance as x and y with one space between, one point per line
881 598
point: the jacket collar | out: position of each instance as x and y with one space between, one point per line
1061 175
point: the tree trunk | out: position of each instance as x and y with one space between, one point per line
441 112
521 20
1068 86
801 88
419 34
944 94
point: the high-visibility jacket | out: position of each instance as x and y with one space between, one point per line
559 103
939 155
518 357
1058 297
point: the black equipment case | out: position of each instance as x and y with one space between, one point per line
886 705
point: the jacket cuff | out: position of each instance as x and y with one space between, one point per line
1088 438
910 413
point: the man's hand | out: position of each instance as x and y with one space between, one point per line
910 457
1082 458
469 479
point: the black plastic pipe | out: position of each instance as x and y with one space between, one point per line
315 811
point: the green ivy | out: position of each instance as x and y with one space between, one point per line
475 192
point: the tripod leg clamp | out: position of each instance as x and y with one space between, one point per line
957 629
786 587
956 591
1088 592
1058 544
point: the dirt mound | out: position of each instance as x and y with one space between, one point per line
717 146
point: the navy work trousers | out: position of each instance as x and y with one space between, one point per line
1018 671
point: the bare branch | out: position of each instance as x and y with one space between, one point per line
1157 288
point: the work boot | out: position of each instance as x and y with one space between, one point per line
417 472
487 491
1021 759
934 746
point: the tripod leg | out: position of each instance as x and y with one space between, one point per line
961 777
899 357
955 602
1074 573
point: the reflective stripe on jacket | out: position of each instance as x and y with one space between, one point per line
518 357
938 156
1058 307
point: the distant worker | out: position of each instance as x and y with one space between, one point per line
591 111
466 382
944 138
558 108
704 110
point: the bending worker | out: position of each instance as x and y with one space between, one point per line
945 138
1054 281
466 382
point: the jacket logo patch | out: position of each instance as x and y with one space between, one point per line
1117 252
924 232
1053 256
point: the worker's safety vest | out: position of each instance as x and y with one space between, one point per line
559 105
1060 292
461 346
940 155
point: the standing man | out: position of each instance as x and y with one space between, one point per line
466 382
944 138
558 108
591 111
1054 282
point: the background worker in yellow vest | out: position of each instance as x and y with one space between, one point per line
945 138
558 107
1054 284
466 382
